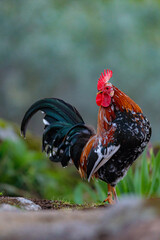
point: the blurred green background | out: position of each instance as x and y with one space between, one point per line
59 48
53 48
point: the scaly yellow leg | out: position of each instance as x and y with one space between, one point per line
111 192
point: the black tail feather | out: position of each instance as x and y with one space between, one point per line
55 110
65 133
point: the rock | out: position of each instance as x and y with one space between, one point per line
28 204
8 207
18 203
131 218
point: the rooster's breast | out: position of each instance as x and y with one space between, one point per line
133 132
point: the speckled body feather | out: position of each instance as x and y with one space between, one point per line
132 133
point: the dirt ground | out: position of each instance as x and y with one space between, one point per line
52 204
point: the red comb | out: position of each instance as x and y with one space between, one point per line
104 78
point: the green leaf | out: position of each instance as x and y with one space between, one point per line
144 175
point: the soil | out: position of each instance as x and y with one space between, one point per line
56 205
53 204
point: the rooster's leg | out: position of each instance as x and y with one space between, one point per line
114 194
111 191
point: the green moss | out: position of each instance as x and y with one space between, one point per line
68 205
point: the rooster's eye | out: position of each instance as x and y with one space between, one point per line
107 88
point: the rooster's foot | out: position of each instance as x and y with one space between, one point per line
111 192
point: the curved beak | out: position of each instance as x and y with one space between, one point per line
99 92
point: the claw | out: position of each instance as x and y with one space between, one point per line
111 192
109 199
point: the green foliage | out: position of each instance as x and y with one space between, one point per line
3 124
29 173
143 178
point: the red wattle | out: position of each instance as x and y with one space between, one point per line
99 99
106 100
103 99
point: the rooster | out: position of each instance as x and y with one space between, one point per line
122 134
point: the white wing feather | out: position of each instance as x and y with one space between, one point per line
99 163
